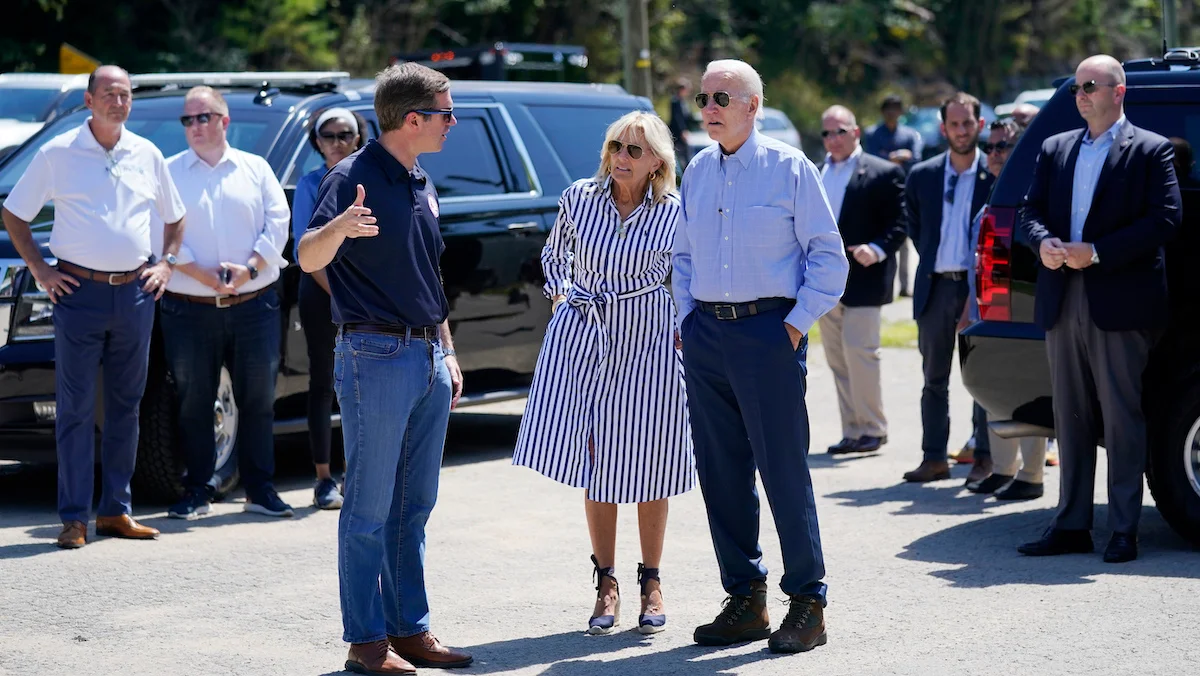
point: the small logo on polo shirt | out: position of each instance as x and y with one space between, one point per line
433 206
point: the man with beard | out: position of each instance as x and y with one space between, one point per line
941 195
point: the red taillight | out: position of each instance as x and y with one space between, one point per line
993 281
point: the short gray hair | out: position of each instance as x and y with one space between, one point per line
403 88
743 73
841 112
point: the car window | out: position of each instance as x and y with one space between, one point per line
1178 122
576 134
469 161
310 160
26 105
772 124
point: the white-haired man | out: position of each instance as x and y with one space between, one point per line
758 259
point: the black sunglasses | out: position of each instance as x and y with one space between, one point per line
1089 87
953 185
614 147
343 136
448 112
721 99
202 118
825 133
987 148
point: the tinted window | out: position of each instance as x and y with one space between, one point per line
26 105
576 133
309 159
1179 122
468 163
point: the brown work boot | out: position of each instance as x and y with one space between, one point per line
425 650
928 470
124 526
73 535
376 657
743 618
803 629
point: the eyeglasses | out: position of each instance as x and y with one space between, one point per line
721 98
635 152
448 112
202 118
1089 87
987 148
825 133
953 185
341 136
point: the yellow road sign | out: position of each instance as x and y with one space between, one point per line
71 60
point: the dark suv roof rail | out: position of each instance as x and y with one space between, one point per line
309 81
1179 56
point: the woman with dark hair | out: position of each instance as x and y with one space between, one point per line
337 133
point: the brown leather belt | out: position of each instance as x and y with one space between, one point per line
111 278
220 301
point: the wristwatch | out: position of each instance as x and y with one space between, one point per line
171 259
253 270
448 353
1095 256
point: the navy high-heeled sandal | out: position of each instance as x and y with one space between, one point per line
649 624
605 624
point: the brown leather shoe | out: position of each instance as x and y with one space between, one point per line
928 470
425 650
124 526
982 469
803 629
73 535
744 618
376 658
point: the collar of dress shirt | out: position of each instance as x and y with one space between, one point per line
858 150
746 153
1112 131
974 165
88 140
607 187
191 158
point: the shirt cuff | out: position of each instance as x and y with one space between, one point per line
272 258
800 319
878 251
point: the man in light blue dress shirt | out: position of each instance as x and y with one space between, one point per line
757 260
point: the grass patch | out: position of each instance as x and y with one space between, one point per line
902 333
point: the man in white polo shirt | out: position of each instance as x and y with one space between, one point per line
224 309
105 182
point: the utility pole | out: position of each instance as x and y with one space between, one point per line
635 37
1170 25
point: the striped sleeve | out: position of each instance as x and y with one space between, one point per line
558 253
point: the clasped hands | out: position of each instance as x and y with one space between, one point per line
1056 253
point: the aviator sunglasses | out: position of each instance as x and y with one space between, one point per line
343 136
720 98
1089 87
202 118
825 133
614 147
987 148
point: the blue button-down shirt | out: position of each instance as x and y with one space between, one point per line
1092 155
954 250
881 142
757 224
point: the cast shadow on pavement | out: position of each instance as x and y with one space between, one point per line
984 552
949 497
566 654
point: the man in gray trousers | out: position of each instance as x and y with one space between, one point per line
1103 202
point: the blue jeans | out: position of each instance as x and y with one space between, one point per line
199 340
99 325
394 394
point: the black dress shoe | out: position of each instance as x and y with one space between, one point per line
1056 541
989 485
846 445
867 443
1020 490
1122 547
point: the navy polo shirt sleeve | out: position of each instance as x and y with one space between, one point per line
336 194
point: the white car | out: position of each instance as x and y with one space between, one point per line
1037 97
774 123
30 100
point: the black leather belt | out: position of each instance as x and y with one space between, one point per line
956 275
727 311
429 333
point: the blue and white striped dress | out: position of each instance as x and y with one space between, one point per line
608 368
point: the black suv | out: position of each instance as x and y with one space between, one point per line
1003 356
500 174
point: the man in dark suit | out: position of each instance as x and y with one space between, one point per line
1103 203
867 193
679 121
940 198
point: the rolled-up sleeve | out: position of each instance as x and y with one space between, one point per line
825 264
681 261
558 254
274 235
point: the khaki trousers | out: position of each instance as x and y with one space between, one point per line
850 336
1032 457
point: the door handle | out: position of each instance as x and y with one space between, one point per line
530 225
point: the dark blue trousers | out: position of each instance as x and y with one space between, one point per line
99 330
745 387
199 340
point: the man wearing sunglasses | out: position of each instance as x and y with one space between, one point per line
223 310
1103 202
757 260
941 196
866 193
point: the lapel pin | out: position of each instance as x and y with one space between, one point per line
982 175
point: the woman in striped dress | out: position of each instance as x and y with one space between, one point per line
607 410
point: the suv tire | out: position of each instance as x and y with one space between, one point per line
1173 468
158 475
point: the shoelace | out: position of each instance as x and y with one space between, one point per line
797 615
733 608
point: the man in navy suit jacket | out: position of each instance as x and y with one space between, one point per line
941 197
1103 203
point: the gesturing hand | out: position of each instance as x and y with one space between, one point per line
356 220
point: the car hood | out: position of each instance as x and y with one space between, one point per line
15 132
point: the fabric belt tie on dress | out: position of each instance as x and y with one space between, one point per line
597 307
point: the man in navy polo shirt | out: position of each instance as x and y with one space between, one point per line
375 231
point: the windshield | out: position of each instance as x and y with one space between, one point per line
156 119
26 105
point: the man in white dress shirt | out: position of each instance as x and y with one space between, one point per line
105 182
224 309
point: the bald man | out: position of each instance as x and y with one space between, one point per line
866 195
1103 202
